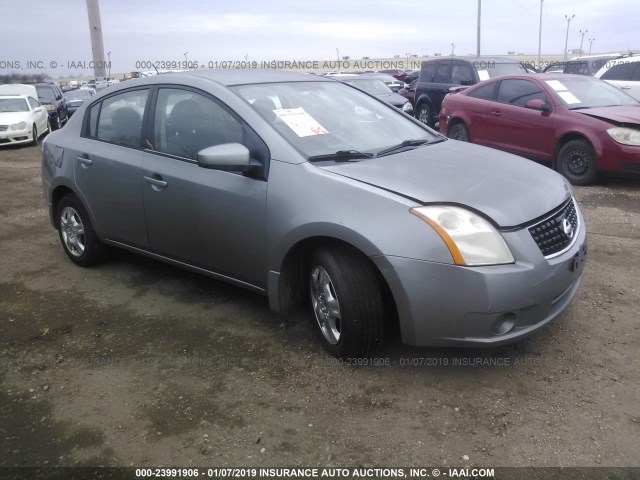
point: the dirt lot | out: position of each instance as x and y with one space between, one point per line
138 363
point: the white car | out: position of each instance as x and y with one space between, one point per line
623 73
22 119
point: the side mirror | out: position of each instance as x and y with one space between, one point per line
228 156
537 104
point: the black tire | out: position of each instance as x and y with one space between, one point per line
460 132
357 292
424 114
576 161
79 239
34 133
58 122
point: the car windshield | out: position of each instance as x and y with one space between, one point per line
578 92
372 86
324 118
45 93
13 105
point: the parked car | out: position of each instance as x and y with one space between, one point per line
623 73
579 125
589 65
393 83
22 119
438 75
50 95
554 67
409 92
305 189
378 89
75 98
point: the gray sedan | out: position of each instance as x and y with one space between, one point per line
306 190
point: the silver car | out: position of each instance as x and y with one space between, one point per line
307 190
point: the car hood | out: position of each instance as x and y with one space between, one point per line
508 189
621 115
10 118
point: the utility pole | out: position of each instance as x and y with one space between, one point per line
95 30
582 40
478 40
109 56
540 36
453 48
591 40
566 40
337 54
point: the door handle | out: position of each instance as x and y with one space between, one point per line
625 88
84 161
496 113
155 182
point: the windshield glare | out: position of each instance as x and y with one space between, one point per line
372 86
320 118
13 105
586 92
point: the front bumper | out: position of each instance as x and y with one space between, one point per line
15 137
449 305
618 158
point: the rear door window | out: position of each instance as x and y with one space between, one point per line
120 118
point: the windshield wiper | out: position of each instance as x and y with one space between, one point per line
407 143
341 156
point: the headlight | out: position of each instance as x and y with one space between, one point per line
626 136
471 240
19 126
407 107
50 107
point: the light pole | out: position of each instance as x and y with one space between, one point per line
591 40
186 60
582 40
566 40
337 54
109 57
453 48
540 35
478 39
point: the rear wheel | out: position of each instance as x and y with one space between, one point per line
77 235
346 298
459 131
576 161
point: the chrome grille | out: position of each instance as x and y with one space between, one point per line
556 233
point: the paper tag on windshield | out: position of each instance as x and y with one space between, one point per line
569 98
483 75
556 85
303 124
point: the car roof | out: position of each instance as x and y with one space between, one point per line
14 96
245 77
475 59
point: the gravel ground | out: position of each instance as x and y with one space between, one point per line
138 363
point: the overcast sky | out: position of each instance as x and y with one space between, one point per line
217 30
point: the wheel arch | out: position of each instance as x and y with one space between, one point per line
453 121
566 138
288 287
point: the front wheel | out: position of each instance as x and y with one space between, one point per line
346 298
576 161
34 134
78 238
459 132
